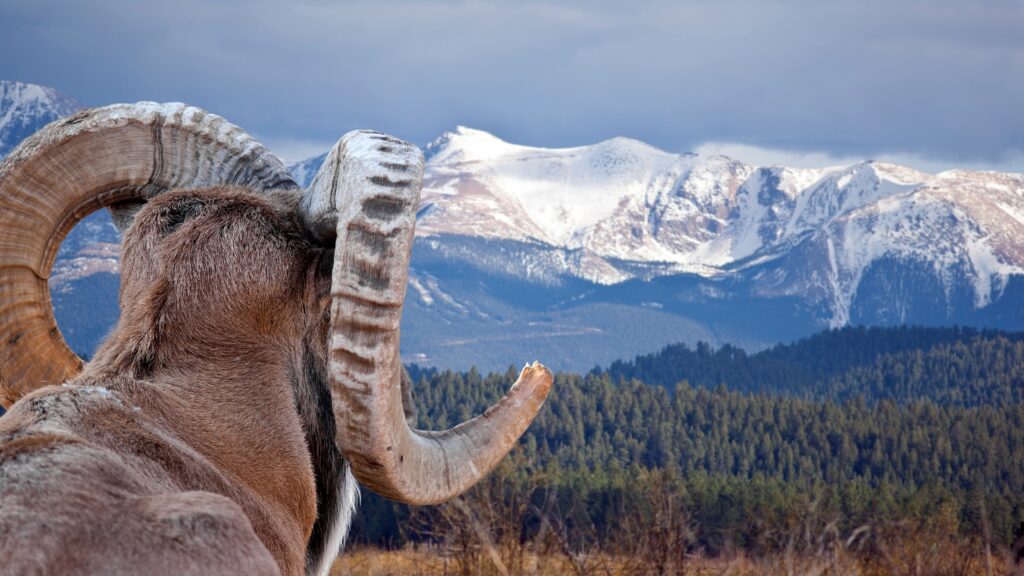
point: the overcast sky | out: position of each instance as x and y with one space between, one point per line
934 83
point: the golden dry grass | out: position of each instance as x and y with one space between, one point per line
431 562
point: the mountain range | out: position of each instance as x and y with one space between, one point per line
580 256
619 246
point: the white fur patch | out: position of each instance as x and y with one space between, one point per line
348 496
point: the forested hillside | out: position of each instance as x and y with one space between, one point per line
948 365
908 425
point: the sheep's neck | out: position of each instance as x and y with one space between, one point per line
239 414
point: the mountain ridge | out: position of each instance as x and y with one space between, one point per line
590 254
648 212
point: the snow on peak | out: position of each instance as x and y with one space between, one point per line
25 108
564 192
467 145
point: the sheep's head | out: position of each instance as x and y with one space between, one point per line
216 274
235 255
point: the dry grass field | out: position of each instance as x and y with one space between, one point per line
922 559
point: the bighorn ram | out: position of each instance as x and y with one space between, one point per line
255 366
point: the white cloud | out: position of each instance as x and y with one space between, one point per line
760 156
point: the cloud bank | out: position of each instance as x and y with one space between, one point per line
937 80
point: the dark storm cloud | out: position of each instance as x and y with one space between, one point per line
936 79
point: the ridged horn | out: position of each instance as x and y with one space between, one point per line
119 154
367 193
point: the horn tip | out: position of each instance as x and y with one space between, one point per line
535 380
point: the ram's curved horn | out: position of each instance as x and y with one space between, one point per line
116 155
368 192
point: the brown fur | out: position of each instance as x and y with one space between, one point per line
185 445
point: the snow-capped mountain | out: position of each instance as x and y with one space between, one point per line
963 229
25 108
619 200
622 209
585 255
